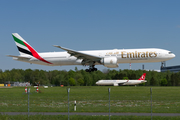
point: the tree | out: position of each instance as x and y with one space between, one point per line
81 77
78 76
76 69
132 76
153 81
154 78
176 77
113 74
168 78
80 81
125 78
59 79
122 74
3 77
72 81
71 73
164 82
87 79
173 79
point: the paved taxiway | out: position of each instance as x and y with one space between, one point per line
92 114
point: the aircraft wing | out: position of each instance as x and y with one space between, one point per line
121 83
80 55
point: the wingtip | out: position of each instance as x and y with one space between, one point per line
56 46
8 55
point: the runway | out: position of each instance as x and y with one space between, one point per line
90 114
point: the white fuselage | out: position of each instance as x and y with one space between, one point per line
120 82
122 55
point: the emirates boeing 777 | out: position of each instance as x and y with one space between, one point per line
108 58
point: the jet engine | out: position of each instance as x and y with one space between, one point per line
110 62
115 84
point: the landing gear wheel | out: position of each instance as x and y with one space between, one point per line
87 70
91 69
94 69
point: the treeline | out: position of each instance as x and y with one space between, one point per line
82 78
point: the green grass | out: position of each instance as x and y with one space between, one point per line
92 99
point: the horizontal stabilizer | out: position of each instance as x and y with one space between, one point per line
19 57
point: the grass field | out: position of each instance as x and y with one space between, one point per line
92 99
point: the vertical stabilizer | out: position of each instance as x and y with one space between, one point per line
142 77
23 47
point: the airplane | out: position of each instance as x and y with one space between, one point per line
108 58
122 82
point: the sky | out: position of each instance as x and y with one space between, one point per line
89 25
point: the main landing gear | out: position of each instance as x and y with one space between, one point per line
91 69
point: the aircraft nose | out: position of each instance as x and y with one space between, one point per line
173 55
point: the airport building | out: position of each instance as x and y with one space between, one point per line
8 84
171 68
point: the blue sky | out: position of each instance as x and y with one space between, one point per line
89 25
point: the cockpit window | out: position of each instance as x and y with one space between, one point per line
170 53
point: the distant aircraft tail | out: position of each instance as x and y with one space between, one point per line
142 77
25 49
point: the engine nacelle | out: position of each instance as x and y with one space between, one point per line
110 62
115 84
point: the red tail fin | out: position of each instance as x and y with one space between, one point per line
142 77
